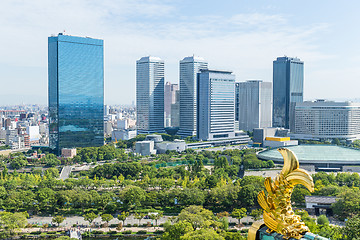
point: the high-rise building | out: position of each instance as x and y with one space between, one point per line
216 105
237 105
288 89
76 91
150 95
255 104
189 67
169 99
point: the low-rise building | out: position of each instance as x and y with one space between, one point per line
68 152
275 142
145 148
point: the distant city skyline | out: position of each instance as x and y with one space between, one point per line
241 36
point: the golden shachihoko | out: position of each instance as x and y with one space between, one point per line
276 202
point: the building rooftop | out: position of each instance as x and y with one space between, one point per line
321 199
149 59
193 59
216 71
317 154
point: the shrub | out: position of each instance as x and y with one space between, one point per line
127 232
135 225
141 232
159 232
112 232
36 233
322 220
97 232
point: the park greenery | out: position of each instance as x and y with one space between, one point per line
203 186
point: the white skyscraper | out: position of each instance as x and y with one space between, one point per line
150 95
216 108
189 67
255 105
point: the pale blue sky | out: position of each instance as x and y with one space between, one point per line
243 36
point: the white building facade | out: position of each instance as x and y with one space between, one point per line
189 68
150 95
327 120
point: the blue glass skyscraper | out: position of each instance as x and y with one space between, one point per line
288 89
76 92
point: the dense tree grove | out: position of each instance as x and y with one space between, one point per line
196 184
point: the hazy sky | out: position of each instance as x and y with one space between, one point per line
243 36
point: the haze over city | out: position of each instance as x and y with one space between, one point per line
242 36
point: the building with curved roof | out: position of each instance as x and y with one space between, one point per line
324 157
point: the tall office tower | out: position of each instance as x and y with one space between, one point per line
76 91
237 105
288 89
189 67
216 105
169 99
150 95
255 104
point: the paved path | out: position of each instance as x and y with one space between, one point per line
65 172
79 220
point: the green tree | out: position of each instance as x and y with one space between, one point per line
106 218
202 234
11 222
90 217
198 216
256 214
139 216
18 162
51 172
156 217
239 213
322 220
58 219
122 216
51 160
175 231
352 228
348 203
133 196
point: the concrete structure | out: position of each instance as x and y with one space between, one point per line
189 68
76 92
150 95
145 148
255 105
154 137
122 134
68 152
33 132
276 142
216 105
288 89
169 99
107 128
240 138
327 120
176 145
259 134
